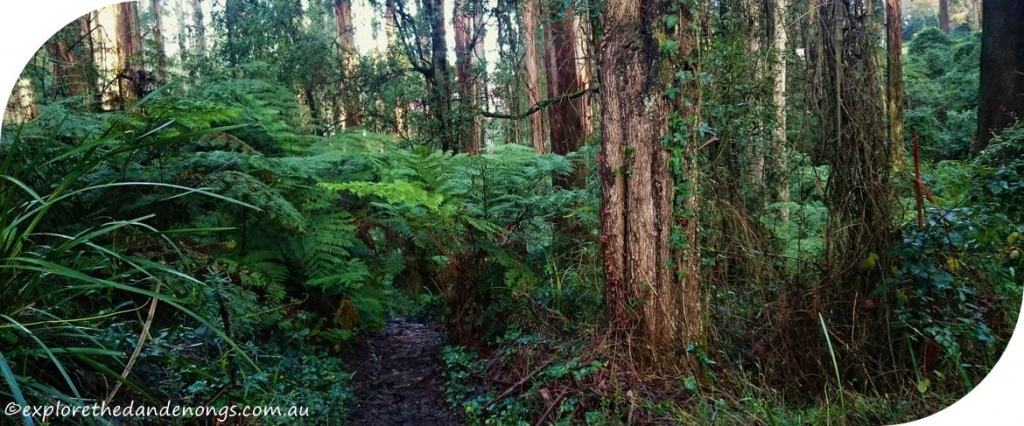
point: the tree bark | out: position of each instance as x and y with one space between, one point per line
780 143
466 42
345 34
344 30
22 105
652 287
132 79
531 13
198 28
894 86
566 115
857 149
1002 68
158 38
944 15
64 66
441 77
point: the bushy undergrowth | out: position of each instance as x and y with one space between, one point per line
217 206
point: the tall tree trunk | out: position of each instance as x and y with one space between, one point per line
22 105
585 65
466 42
477 63
944 15
566 115
198 28
88 66
345 35
780 143
182 34
757 31
440 79
158 38
856 147
894 86
64 66
132 79
1002 68
531 13
344 31
652 287
974 13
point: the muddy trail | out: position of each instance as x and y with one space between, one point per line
398 376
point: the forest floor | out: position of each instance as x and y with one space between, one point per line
398 377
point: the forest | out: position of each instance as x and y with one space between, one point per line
514 212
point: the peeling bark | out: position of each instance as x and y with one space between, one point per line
652 288
566 115
531 13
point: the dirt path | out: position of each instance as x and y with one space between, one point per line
398 376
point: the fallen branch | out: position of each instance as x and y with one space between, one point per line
539 105
516 385
138 346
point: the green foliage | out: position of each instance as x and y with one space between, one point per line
252 247
941 74
956 285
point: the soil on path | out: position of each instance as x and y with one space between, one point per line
398 376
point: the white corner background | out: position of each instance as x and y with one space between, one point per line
26 25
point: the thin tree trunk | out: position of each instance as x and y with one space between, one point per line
944 15
566 115
87 66
780 144
531 13
1002 68
158 38
755 149
974 11
441 104
894 86
465 45
652 288
179 17
132 79
345 34
198 28
584 64
477 64
65 82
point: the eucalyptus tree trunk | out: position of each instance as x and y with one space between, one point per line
566 115
88 67
198 28
653 290
63 59
467 41
756 16
894 86
531 13
1002 68
345 36
944 15
855 145
780 144
179 18
586 66
132 78
156 8
440 81
22 105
